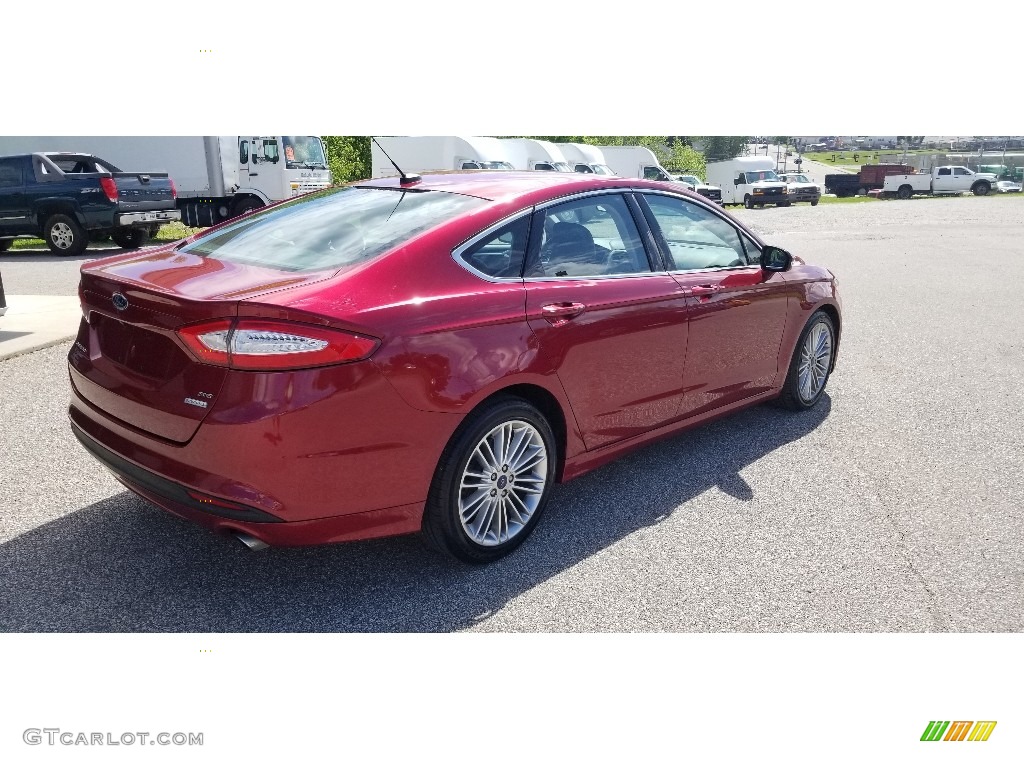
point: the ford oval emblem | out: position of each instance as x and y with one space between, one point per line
120 302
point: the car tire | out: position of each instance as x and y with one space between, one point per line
5 244
784 205
814 202
473 496
129 238
811 365
981 188
64 236
862 191
904 192
747 202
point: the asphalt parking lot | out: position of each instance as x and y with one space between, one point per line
893 506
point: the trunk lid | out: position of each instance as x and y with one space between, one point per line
128 360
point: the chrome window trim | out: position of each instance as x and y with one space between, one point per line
458 251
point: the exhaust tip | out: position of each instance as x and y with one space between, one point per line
251 541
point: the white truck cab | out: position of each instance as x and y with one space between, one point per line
585 158
749 180
635 163
535 155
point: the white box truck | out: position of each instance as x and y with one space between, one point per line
585 158
218 177
422 154
535 155
634 163
749 180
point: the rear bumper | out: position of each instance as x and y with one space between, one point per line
147 217
355 463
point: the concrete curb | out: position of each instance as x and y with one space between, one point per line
36 348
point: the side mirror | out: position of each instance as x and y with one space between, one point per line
775 259
739 180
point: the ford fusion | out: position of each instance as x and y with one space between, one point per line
433 354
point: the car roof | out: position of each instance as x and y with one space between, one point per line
529 186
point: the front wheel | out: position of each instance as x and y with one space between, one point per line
492 483
811 364
814 202
64 236
981 188
5 244
862 191
747 202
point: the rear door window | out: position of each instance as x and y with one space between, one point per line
11 173
593 236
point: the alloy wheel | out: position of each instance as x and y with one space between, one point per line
503 483
815 360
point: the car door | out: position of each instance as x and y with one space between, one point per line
962 179
14 211
737 311
613 326
943 181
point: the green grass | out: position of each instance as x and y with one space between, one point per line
168 233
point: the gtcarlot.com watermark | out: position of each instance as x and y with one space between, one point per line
57 737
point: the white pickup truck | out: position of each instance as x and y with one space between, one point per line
943 180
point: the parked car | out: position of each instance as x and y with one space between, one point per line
801 189
1007 186
433 355
66 197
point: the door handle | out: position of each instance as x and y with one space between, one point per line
562 312
703 290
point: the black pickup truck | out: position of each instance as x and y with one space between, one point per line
66 198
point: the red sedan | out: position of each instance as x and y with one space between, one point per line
433 355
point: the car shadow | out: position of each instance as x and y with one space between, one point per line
122 565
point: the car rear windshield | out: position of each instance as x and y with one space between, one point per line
336 228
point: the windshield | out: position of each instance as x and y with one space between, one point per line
563 167
336 228
495 165
798 177
304 152
753 176
690 179
602 170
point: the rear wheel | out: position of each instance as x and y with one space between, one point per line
811 364
64 236
129 238
904 192
492 483
862 191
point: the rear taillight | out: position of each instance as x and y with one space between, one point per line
259 345
174 189
109 189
